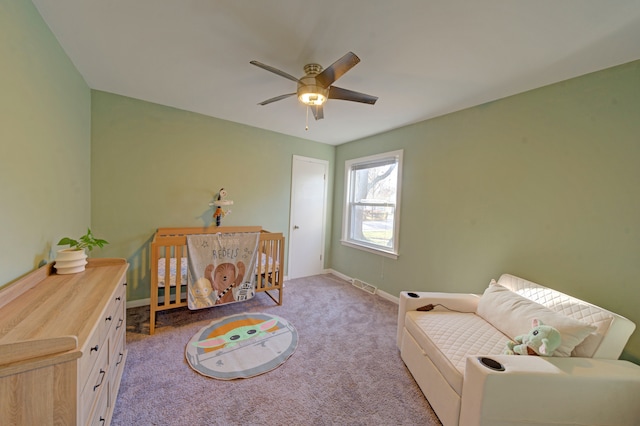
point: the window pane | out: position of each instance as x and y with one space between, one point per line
375 184
373 225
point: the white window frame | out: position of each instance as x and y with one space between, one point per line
348 204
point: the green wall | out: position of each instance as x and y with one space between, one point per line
45 142
544 185
154 166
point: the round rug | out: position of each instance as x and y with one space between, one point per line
241 346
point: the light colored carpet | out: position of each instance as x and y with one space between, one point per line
346 369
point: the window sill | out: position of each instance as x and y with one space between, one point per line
389 254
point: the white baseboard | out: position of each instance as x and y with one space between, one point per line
138 303
388 296
379 292
339 275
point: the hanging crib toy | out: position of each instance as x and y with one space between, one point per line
219 203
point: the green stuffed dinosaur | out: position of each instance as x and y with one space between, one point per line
541 340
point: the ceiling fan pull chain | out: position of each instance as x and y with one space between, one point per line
306 124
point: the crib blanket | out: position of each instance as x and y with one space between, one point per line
218 266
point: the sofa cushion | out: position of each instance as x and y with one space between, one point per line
571 307
448 338
512 314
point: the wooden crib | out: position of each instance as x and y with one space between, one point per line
169 265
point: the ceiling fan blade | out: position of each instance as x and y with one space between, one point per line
350 95
274 70
337 69
277 98
318 112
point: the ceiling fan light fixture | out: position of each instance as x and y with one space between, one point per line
312 95
312 99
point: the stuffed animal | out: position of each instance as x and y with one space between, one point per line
541 340
219 213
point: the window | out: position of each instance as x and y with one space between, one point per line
371 209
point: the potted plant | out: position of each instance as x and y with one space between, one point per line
73 259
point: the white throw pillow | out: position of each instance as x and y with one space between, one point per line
512 315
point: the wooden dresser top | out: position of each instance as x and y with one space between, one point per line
43 304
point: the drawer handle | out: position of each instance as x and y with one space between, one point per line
118 299
102 420
119 359
108 318
124 284
120 321
95 348
102 374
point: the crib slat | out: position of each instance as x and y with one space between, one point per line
167 276
179 255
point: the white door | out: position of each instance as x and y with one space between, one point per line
308 213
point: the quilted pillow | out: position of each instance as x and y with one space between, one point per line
512 315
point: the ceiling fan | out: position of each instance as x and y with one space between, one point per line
315 87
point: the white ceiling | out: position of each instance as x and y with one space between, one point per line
422 58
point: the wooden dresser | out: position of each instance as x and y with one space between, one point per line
62 345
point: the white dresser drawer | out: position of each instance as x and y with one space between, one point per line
96 385
113 312
119 356
93 351
120 312
109 319
101 414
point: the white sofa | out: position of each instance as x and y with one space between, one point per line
584 383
